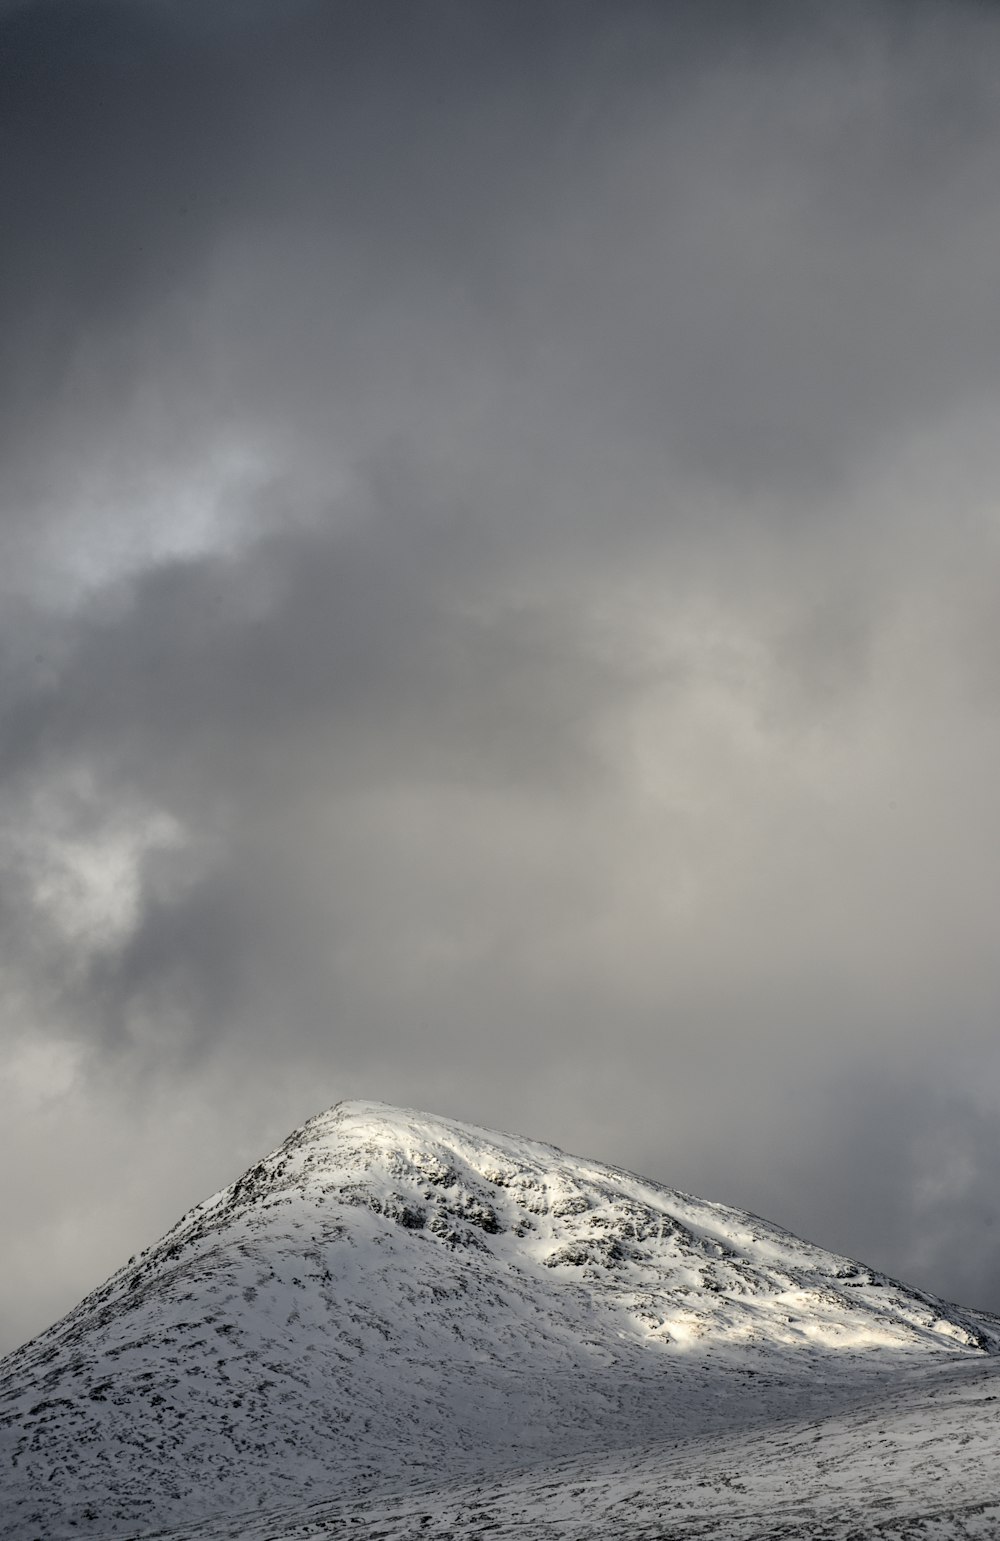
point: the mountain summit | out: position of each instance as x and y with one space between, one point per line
391 1295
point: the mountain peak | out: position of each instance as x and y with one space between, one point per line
383 1121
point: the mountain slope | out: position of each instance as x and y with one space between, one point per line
921 1462
393 1296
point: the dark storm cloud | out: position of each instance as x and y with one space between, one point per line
745 248
499 606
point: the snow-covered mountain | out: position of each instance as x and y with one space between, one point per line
392 1299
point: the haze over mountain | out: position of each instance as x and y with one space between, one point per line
391 1299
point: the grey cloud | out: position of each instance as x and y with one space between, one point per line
907 1175
733 249
256 700
485 619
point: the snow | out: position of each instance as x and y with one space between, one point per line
919 1462
394 1310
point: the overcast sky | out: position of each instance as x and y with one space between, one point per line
499 540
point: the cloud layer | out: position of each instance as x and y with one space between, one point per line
499 603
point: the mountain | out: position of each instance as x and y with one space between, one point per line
393 1299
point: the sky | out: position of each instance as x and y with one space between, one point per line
499 554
